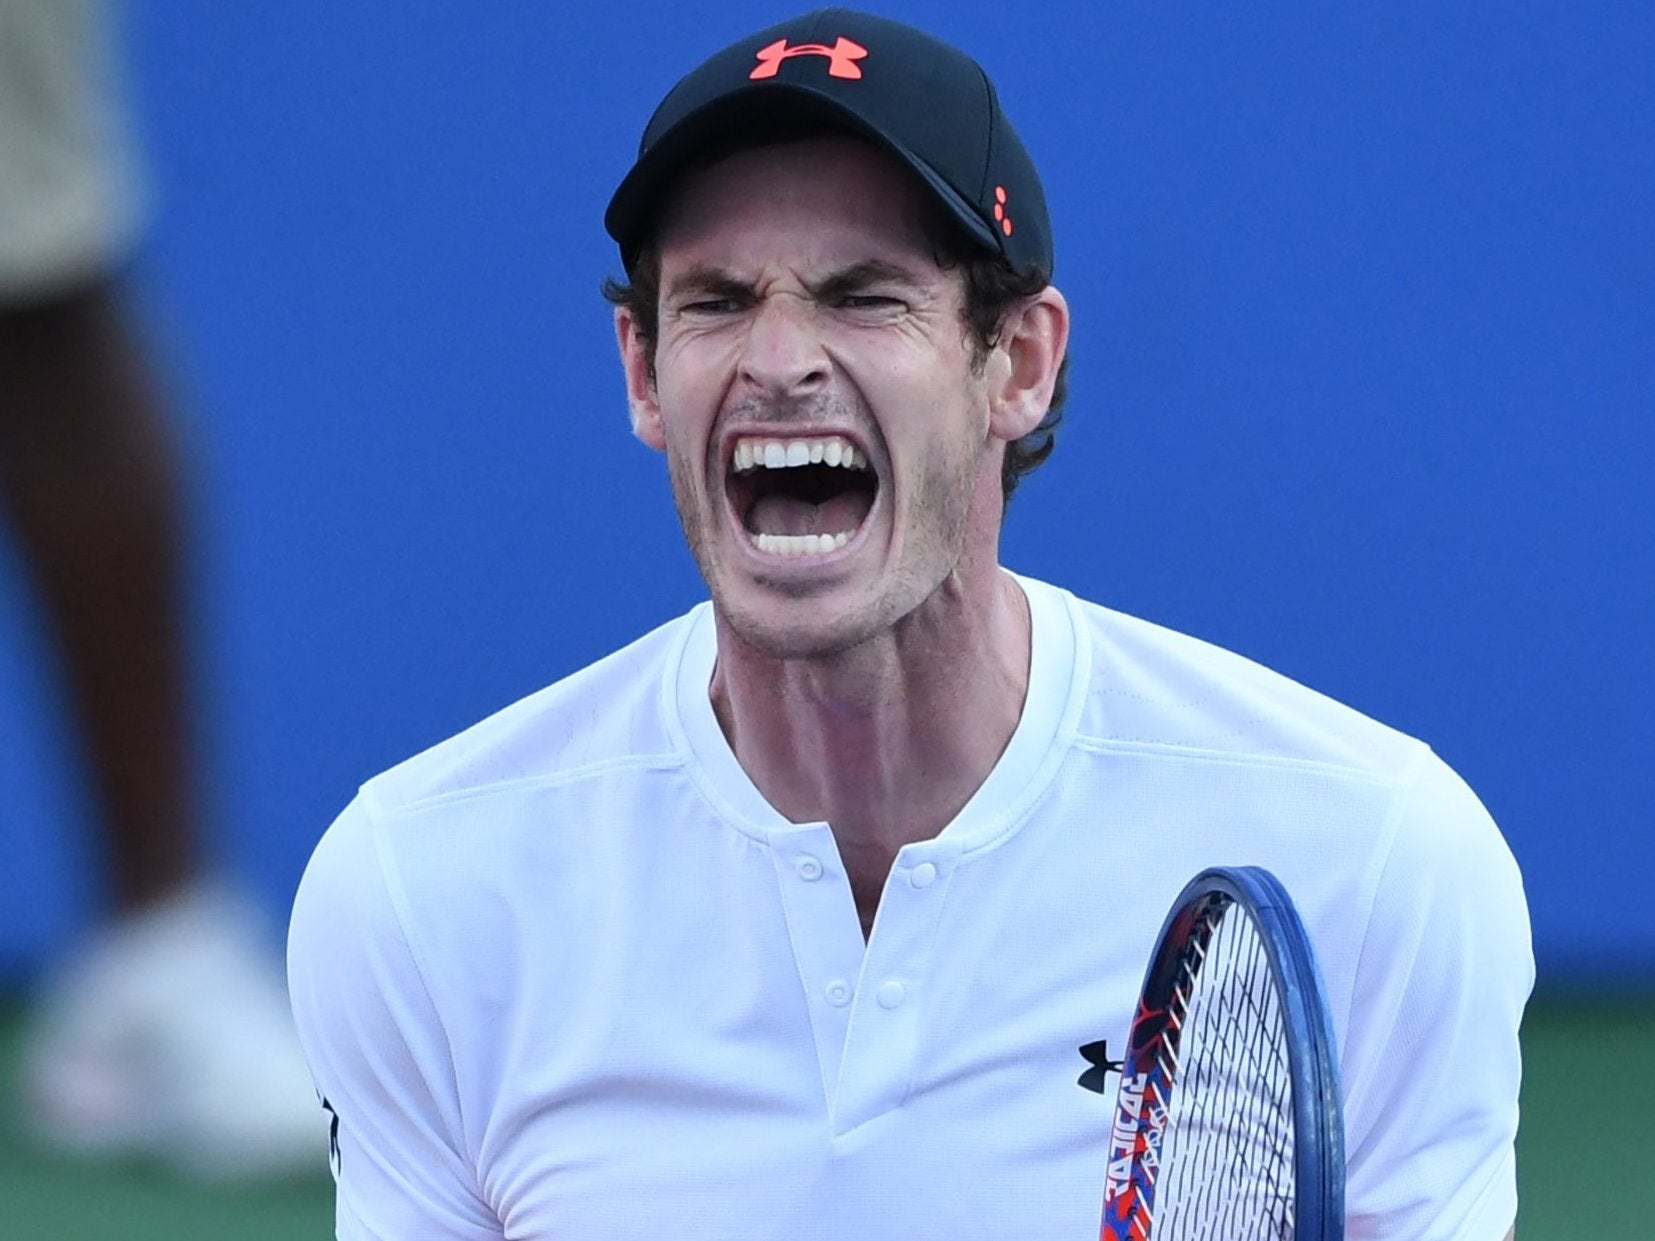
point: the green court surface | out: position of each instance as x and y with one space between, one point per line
1585 1154
43 1197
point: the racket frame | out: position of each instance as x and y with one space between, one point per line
1140 1116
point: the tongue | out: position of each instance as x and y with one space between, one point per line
780 514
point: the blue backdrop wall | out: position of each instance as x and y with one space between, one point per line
1364 371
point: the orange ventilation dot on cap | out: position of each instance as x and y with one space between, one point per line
1000 213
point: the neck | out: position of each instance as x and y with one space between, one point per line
885 742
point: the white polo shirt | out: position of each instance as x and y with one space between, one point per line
568 975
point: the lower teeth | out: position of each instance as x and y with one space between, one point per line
800 544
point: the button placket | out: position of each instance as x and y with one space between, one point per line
825 935
887 1010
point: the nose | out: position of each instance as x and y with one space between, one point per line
783 354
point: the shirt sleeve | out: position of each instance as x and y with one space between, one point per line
1431 1059
378 1052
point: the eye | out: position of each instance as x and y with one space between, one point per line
711 306
870 301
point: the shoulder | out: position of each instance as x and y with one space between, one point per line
606 714
1153 686
462 823
1386 847
1152 689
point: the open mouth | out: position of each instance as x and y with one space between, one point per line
800 497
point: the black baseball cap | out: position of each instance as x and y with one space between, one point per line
924 101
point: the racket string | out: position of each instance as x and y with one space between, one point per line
1227 1145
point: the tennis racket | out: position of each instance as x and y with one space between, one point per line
1227 1115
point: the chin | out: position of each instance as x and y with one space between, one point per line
798 628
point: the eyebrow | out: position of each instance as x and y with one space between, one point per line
705 278
717 281
859 276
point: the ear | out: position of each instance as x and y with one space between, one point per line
1032 346
641 397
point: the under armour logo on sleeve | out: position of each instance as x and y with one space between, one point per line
333 1137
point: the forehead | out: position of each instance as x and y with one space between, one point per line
819 199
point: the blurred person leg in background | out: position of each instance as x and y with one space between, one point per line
166 1034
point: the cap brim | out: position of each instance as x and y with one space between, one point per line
767 107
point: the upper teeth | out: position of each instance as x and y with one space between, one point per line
783 454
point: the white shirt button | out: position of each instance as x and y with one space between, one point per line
891 994
809 868
838 993
922 875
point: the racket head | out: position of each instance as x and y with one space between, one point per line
1149 1067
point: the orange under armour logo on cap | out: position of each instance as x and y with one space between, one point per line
842 57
